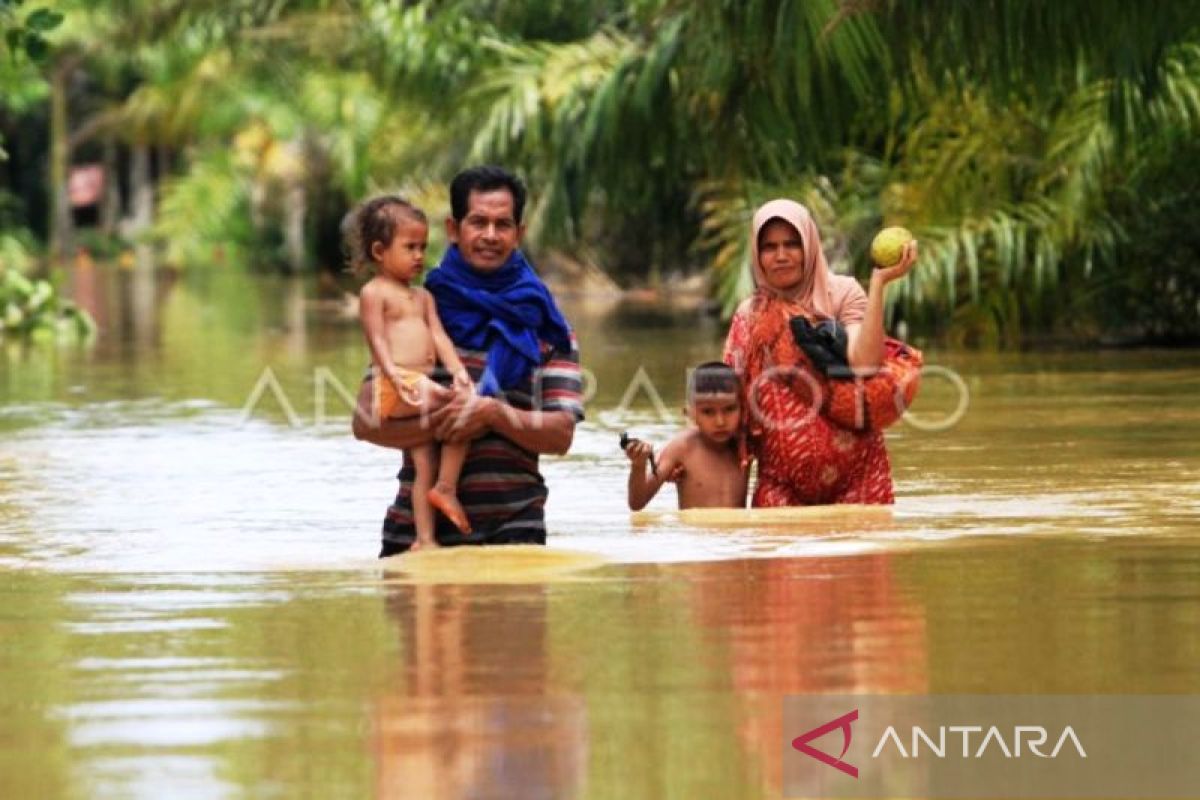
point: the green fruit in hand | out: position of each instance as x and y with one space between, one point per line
888 246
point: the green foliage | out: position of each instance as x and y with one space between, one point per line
994 130
1021 50
32 310
1151 288
21 85
27 36
1010 204
25 42
17 246
203 215
1012 137
16 251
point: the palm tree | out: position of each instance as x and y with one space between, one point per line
1005 133
997 142
148 38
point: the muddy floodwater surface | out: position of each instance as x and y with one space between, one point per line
190 605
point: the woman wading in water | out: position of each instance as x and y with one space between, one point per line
817 436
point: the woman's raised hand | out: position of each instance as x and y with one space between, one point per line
901 267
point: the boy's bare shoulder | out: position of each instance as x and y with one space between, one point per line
690 443
384 289
682 442
376 287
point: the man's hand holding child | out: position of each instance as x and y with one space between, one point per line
463 382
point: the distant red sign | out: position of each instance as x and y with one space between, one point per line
85 185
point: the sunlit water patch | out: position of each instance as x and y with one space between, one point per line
150 486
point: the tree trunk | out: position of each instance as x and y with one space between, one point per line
295 209
295 304
142 190
162 163
110 204
145 295
258 202
62 232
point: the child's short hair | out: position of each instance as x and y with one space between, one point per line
713 377
375 221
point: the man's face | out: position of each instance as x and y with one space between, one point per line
489 233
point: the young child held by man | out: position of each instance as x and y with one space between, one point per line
388 237
704 461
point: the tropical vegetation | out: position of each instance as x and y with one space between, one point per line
35 310
1045 152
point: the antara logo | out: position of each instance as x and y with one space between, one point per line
1033 737
801 743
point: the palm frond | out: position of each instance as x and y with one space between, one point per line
205 210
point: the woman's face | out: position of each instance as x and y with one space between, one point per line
781 255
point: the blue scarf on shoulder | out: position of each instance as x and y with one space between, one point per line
505 312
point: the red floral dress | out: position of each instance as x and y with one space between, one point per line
803 458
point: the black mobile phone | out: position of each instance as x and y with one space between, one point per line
627 440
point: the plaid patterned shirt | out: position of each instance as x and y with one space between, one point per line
500 486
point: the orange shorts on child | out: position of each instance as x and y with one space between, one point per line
390 404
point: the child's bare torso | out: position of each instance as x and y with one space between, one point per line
404 315
713 476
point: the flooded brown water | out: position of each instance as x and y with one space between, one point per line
190 606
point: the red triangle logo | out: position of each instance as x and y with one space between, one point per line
801 743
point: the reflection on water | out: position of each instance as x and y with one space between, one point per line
190 605
472 710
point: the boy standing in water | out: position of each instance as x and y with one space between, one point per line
388 236
704 461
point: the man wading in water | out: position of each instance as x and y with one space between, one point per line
521 354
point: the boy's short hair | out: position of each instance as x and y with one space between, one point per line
485 178
713 377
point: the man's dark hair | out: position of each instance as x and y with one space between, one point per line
713 377
486 178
